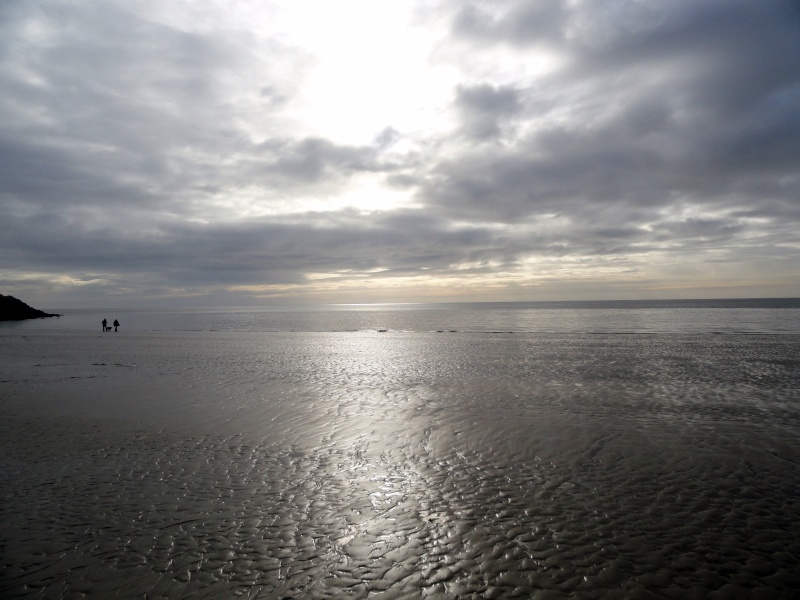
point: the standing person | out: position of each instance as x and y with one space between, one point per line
116 324
105 325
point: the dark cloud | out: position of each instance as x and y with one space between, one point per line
264 251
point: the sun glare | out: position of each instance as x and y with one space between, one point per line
371 71
371 195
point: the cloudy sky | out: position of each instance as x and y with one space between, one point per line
248 151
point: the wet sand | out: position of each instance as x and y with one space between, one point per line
393 465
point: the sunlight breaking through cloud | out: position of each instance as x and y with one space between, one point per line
458 150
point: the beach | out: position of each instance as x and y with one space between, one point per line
148 464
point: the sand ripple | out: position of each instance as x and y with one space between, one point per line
357 465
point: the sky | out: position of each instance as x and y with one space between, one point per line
242 152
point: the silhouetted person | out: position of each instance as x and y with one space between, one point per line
105 325
116 324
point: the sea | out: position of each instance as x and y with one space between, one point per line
637 449
768 316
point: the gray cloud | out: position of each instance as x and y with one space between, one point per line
314 159
514 22
159 158
696 101
484 107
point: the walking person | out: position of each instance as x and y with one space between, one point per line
105 325
116 324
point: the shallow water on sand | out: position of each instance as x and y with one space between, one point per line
365 464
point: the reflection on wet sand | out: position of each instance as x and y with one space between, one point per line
375 465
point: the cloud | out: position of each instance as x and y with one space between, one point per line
191 149
484 107
514 22
658 105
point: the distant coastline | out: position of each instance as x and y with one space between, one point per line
13 309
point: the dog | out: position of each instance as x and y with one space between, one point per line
108 328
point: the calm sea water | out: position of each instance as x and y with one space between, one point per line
404 451
664 316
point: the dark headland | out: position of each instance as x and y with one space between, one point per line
12 309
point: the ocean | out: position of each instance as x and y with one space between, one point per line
532 450
775 315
